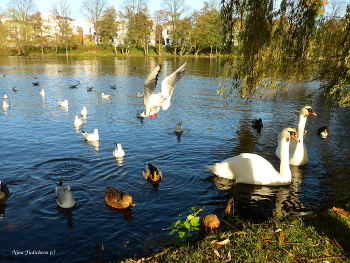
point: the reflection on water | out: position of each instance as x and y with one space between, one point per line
41 146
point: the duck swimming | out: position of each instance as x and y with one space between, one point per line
118 199
152 174
4 191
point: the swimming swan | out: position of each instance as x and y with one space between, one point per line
153 101
249 168
297 151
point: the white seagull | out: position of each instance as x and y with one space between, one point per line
42 92
92 137
161 99
83 112
78 121
6 104
118 151
63 103
5 96
65 199
105 96
179 128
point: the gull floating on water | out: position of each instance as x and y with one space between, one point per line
78 121
6 104
42 92
63 103
5 96
152 101
179 128
105 96
92 137
118 151
83 112
65 198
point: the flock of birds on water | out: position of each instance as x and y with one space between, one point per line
247 168
153 102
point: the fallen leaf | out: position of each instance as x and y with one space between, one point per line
217 253
292 255
224 242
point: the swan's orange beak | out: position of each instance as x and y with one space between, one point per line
293 136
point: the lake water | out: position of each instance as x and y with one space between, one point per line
40 145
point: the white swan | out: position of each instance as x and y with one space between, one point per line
118 151
297 151
92 137
153 101
249 168
65 199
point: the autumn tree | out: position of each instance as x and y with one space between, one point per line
62 12
20 12
179 24
108 26
140 25
273 41
93 11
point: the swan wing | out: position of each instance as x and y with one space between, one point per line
169 83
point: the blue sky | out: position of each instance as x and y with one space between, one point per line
46 5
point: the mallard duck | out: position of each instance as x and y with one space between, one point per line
118 151
89 88
152 174
92 137
105 96
65 199
118 199
5 96
73 86
113 86
35 83
4 191
15 89
78 121
161 99
63 103
42 92
323 131
179 128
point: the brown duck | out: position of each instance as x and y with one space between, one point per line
118 199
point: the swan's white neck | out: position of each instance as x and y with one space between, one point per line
301 127
285 172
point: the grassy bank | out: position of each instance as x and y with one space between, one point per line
323 237
100 50
313 238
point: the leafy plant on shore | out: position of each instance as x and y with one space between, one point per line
184 228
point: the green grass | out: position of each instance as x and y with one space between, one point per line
313 238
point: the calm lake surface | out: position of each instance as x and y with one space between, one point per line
40 145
